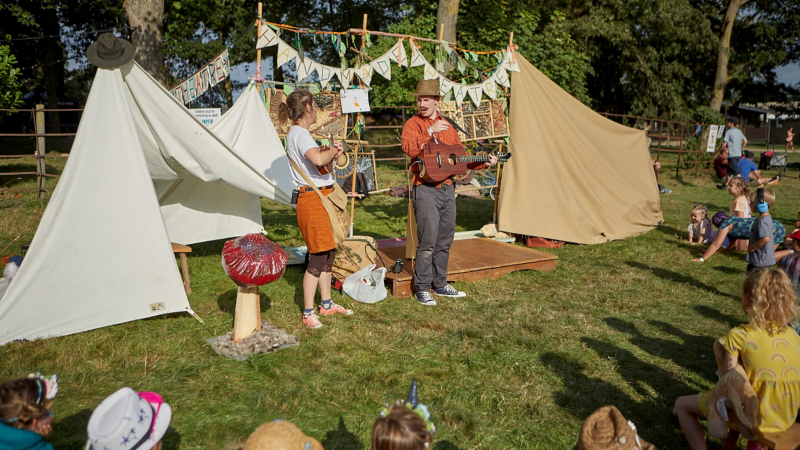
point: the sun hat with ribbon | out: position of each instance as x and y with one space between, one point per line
427 88
607 429
128 420
109 51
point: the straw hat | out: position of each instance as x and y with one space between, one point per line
280 435
109 51
607 429
427 88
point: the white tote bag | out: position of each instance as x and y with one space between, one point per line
366 285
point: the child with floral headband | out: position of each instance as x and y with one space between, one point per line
404 425
25 412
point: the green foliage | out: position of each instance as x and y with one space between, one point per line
704 114
10 95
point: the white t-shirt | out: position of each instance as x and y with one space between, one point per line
298 142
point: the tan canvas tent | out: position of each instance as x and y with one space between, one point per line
574 175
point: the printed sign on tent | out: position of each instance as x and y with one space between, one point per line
712 139
721 130
208 76
206 115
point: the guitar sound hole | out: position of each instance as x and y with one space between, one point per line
453 160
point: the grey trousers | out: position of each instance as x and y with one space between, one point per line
435 209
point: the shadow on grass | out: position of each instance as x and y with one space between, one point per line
691 354
727 319
341 438
445 445
676 277
227 301
70 432
727 270
171 440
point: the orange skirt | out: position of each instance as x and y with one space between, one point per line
313 221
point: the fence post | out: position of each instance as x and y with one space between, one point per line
41 168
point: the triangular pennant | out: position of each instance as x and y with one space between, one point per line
325 73
462 65
398 53
417 59
475 93
501 76
267 39
383 66
446 47
489 88
305 68
429 72
285 53
365 73
444 86
509 62
345 76
459 92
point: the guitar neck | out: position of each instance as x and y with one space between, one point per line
473 158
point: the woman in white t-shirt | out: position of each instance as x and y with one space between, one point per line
312 219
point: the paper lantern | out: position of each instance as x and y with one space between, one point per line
253 260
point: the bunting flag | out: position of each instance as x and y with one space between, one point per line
501 76
305 68
345 76
489 88
383 66
459 92
445 86
430 72
201 81
365 73
398 54
475 93
417 59
325 74
267 39
285 53
510 65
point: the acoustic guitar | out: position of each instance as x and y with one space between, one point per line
440 161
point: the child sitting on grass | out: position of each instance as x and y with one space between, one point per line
765 348
25 413
739 188
700 229
129 420
401 429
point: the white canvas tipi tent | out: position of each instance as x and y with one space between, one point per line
102 254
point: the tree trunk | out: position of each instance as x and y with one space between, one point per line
447 15
721 79
148 41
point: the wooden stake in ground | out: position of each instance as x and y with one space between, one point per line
497 190
247 317
258 51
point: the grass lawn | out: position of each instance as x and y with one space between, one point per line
518 364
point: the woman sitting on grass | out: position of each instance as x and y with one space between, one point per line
25 413
731 228
766 349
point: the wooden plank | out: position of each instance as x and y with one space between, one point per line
178 248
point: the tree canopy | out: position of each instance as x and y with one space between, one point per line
653 58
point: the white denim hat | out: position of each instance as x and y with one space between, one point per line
128 420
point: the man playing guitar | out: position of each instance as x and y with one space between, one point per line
434 204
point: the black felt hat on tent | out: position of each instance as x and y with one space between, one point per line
109 51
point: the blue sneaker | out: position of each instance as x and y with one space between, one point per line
448 291
425 298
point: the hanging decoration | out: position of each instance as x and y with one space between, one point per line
202 80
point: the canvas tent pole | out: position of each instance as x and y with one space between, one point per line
358 137
258 51
511 45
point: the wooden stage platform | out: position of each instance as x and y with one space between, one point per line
470 260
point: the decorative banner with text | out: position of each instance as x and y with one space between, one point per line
202 80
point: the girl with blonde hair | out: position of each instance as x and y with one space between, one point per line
766 348
739 188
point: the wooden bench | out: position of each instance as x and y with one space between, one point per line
787 440
182 250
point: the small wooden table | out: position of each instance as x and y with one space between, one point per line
182 250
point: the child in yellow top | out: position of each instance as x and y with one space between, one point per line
767 348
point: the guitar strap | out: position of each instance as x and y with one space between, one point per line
458 128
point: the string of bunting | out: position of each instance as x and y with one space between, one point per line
208 76
382 65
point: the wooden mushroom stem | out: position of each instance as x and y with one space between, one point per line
247 317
